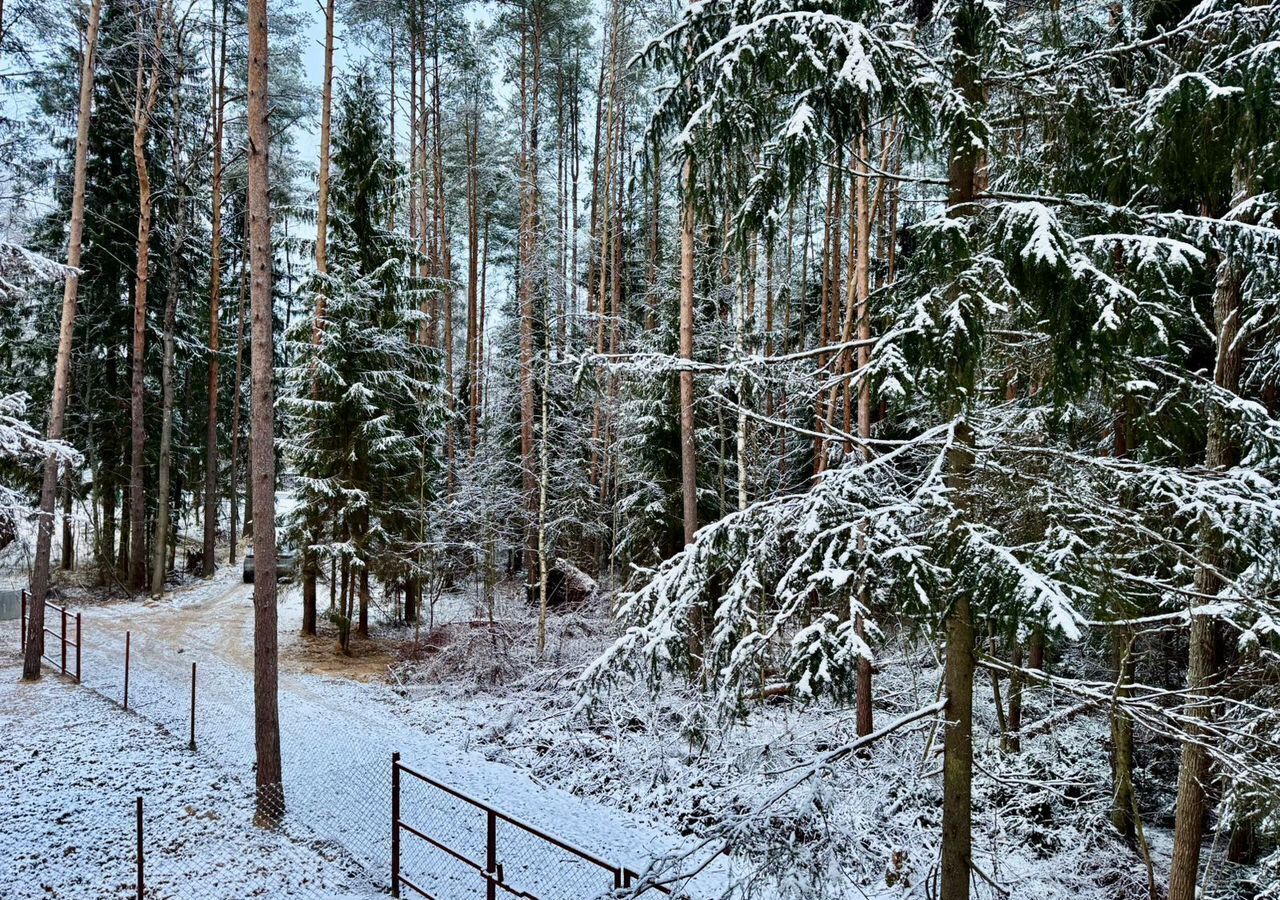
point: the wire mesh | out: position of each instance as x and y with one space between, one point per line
229 845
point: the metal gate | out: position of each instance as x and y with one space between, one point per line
467 849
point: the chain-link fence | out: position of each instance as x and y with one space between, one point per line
332 815
99 803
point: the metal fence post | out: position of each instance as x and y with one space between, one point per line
395 824
77 648
22 631
64 640
192 744
140 881
491 855
126 669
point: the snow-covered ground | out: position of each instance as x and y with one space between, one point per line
337 735
72 764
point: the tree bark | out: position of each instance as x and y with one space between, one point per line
146 88
233 525
62 368
965 175
688 439
1123 802
209 563
957 742
159 550
270 799
473 272
1220 453
860 288
530 82
68 533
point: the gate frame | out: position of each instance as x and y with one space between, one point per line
491 871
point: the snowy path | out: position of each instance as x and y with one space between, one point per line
338 737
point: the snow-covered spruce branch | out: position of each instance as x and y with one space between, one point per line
19 265
725 835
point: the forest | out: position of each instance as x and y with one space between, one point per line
869 410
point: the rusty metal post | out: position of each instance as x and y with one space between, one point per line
395 824
140 881
192 744
126 669
22 631
491 855
77 648
64 640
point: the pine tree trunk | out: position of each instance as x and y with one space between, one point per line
209 562
473 272
68 533
233 529
62 367
860 307
957 746
364 601
159 551
1011 742
529 88
1122 796
146 87
965 176
270 781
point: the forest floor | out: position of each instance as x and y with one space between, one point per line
639 774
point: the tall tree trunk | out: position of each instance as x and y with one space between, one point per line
473 272
159 550
957 746
1220 453
270 781
233 529
310 565
860 306
62 368
530 83
146 88
209 562
965 176
688 439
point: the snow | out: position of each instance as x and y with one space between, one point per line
71 764
337 740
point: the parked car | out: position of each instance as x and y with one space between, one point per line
286 565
